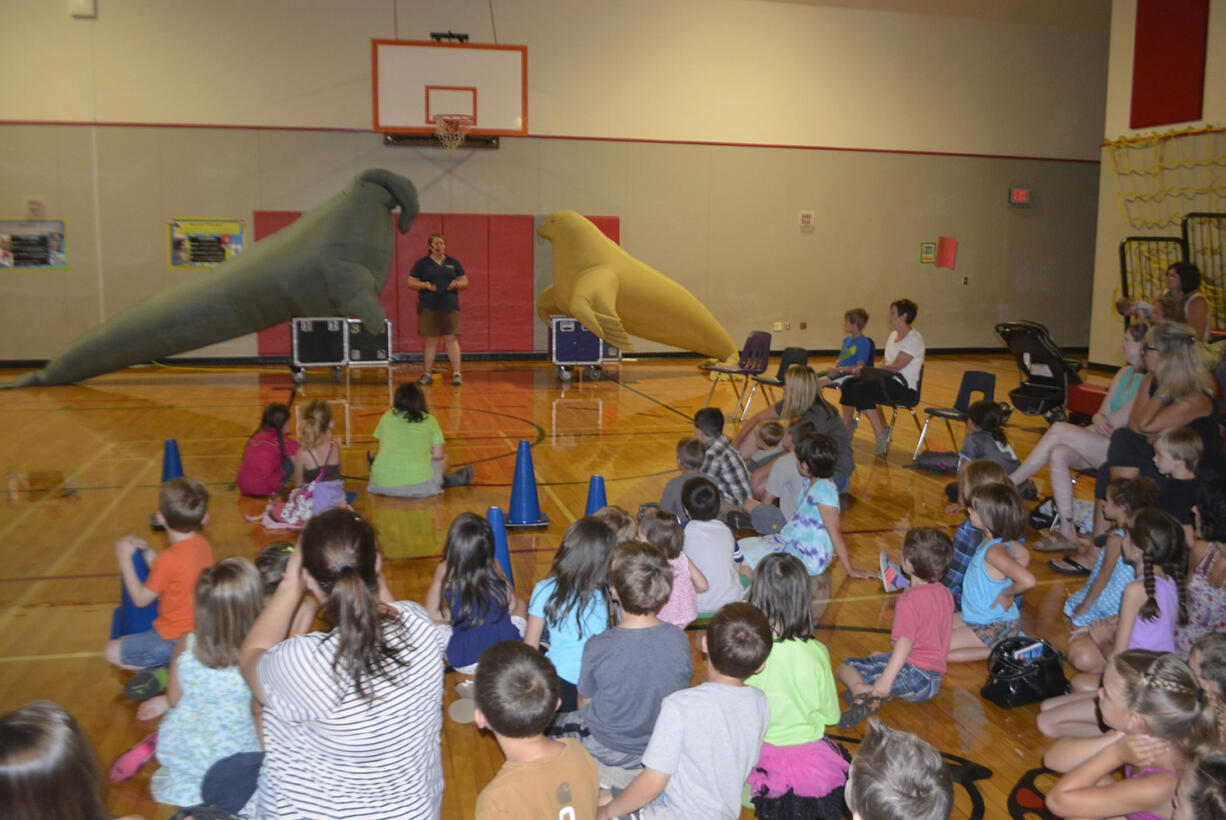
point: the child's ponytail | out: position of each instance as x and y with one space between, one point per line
338 551
1149 610
274 418
989 416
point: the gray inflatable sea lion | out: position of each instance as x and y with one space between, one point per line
331 262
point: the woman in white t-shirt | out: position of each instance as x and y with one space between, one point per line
896 380
352 716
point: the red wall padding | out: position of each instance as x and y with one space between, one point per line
496 251
1168 64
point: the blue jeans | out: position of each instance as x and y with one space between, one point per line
145 649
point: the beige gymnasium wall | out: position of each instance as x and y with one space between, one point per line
1106 327
721 219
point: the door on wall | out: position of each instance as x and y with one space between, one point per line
497 308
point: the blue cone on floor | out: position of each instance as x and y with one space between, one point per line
501 551
525 508
595 495
128 618
172 467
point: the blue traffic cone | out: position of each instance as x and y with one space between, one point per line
128 618
172 467
595 495
525 508
501 551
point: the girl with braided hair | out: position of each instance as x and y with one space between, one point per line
1149 609
1160 719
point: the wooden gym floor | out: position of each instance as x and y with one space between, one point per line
83 465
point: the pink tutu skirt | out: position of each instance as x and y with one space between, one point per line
806 780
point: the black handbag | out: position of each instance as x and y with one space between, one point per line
1044 515
1014 681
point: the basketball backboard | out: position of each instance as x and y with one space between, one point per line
416 81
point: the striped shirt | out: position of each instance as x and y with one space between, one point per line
333 754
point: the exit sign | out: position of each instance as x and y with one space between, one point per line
1019 197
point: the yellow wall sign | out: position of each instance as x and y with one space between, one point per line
203 242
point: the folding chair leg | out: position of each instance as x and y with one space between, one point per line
749 401
714 383
915 418
949 427
919 444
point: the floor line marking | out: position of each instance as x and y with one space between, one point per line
37 504
61 656
70 550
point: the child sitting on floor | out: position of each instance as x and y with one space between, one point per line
800 771
1176 454
996 575
923 625
690 454
620 694
661 530
768 438
1144 698
813 534
210 713
897 776
471 594
986 440
571 601
698 756
517 695
710 545
1095 608
1205 587
722 462
183 505
1149 609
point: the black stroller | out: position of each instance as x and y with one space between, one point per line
1044 374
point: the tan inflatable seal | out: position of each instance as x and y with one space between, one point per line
616 296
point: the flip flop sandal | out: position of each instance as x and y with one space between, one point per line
861 707
1073 567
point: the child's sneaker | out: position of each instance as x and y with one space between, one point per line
130 762
892 577
148 683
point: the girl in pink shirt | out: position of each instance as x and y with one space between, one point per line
663 531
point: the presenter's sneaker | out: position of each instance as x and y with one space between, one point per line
892 577
148 683
457 379
426 378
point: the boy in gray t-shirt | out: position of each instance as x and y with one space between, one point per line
708 738
629 669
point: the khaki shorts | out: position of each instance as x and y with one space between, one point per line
435 323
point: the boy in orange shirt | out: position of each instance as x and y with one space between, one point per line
182 510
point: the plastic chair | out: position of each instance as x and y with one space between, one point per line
755 357
908 406
791 356
973 381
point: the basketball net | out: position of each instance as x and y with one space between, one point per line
450 129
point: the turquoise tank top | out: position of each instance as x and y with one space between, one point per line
980 590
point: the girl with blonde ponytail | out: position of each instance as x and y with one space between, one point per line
1161 720
352 715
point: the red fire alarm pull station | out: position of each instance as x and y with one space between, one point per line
1019 197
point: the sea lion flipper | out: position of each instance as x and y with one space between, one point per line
547 305
360 296
594 303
